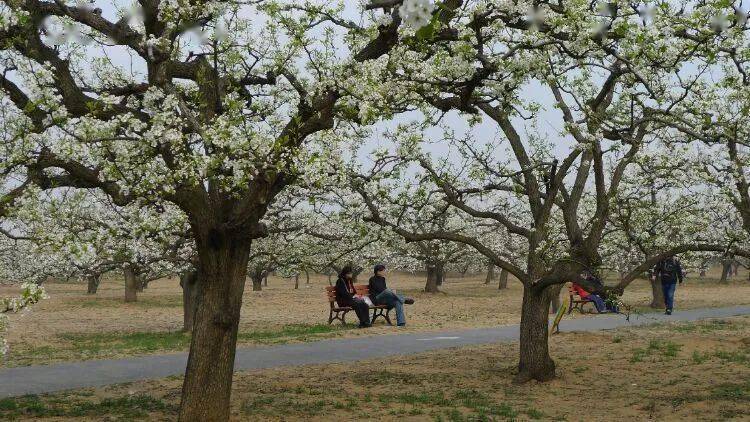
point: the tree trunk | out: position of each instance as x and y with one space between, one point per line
503 280
431 286
439 273
189 284
265 281
535 362
296 282
657 294
92 283
307 277
725 271
257 283
222 270
490 273
140 282
131 284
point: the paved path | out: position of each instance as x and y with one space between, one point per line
94 373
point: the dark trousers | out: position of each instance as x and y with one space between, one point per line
362 310
668 288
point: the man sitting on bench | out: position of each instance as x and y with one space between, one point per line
599 303
382 295
346 295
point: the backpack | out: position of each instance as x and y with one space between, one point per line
670 266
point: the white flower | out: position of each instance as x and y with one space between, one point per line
416 13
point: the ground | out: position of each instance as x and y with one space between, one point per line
72 325
684 371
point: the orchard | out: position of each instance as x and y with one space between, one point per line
166 152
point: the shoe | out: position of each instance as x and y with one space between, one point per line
365 325
401 325
668 312
409 301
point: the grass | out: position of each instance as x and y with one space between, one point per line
79 346
148 302
123 408
666 349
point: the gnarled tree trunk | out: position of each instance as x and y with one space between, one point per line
222 270
502 280
189 284
131 283
535 362
92 283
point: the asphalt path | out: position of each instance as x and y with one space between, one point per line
94 373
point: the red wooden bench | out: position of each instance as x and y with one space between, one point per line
339 312
577 302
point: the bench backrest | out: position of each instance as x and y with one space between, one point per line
361 289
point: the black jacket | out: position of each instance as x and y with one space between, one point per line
344 292
377 285
670 270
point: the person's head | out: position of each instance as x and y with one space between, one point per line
380 270
347 273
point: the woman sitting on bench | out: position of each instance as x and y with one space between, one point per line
346 296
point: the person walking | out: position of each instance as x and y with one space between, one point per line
382 295
670 272
346 296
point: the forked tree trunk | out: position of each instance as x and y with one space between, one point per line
189 284
222 270
502 280
92 283
657 294
490 273
131 284
431 286
535 362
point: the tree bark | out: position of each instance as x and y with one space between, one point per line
140 282
535 362
131 284
296 282
726 270
490 273
189 284
431 286
222 271
439 273
92 283
657 294
257 283
502 280
265 281
307 277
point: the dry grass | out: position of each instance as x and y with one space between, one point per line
63 327
696 371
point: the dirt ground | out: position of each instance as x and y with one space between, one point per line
59 328
667 372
